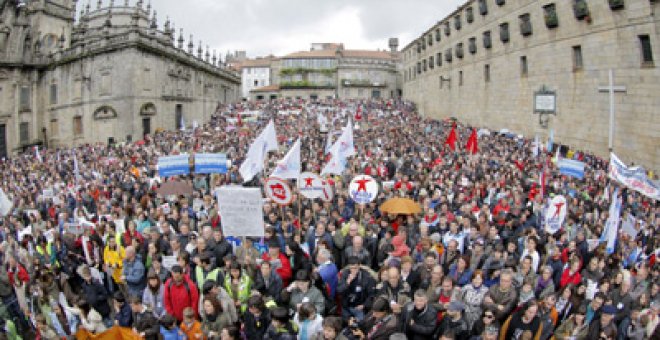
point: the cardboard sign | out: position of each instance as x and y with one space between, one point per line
241 210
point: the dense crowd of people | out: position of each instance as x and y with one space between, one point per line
90 244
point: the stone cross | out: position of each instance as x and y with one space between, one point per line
611 88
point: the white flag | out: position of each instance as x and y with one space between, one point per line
37 154
269 137
254 160
5 204
336 165
328 143
76 170
612 225
344 144
535 147
289 166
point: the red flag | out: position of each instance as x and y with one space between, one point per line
239 120
472 144
358 113
451 139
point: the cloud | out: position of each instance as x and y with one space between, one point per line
278 27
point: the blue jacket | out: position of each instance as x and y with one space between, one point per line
125 316
463 279
328 273
172 334
135 276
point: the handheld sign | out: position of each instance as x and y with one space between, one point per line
328 192
278 190
554 217
310 185
363 189
241 210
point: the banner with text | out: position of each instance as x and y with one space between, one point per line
241 211
634 178
210 163
173 165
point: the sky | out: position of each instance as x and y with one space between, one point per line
278 27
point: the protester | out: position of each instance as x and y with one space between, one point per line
87 222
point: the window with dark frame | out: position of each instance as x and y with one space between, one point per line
77 126
577 57
647 51
53 94
24 132
488 43
525 25
438 59
460 78
431 62
25 98
504 32
523 66
487 73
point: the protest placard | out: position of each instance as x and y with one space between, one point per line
241 211
74 228
169 262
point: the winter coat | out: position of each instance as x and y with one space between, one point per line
313 296
97 297
499 297
172 334
114 260
221 321
473 298
135 276
255 327
359 292
155 301
179 296
567 330
274 287
423 325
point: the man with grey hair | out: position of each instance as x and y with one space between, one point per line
357 249
502 296
133 273
327 270
419 318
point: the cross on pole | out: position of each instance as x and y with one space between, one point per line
611 89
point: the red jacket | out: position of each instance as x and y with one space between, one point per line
20 272
284 271
178 297
567 278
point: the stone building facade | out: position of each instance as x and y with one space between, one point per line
329 70
112 75
484 62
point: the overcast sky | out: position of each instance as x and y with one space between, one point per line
262 27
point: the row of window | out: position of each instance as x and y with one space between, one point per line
580 10
437 60
24 129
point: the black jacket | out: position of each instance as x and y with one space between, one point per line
97 297
360 291
424 323
255 329
221 248
274 285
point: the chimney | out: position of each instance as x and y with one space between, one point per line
394 45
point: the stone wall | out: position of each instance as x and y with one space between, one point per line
608 39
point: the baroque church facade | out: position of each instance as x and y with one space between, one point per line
108 74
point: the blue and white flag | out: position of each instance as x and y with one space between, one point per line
551 140
612 225
289 166
571 168
173 165
210 163
328 143
536 146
